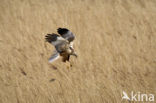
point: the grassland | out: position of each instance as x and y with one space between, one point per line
115 41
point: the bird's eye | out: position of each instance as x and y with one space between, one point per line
71 48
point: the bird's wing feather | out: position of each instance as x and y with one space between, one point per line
55 39
54 57
67 34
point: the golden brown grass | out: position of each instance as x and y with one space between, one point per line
115 41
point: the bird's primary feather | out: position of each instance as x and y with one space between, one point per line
67 34
51 37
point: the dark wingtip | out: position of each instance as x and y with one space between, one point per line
51 37
62 30
59 29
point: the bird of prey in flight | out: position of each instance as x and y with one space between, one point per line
63 42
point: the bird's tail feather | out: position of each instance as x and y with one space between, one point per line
54 57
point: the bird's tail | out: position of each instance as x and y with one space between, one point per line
54 57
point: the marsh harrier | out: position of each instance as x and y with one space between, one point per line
63 42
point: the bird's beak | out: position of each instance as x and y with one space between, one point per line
74 54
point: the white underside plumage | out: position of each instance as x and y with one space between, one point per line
71 44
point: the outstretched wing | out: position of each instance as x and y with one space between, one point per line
59 42
54 57
67 34
55 39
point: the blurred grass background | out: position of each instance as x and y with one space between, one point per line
115 41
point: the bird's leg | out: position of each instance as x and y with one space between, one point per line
69 65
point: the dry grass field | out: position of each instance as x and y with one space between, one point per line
115 42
